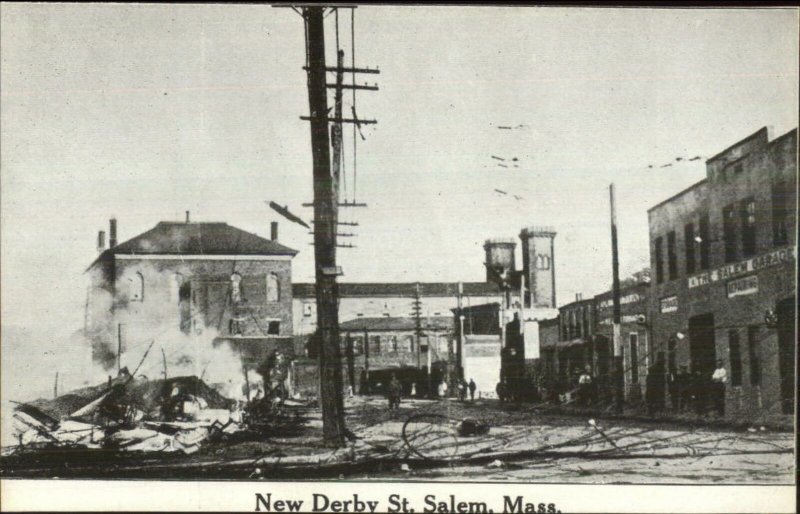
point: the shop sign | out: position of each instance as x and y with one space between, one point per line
743 286
669 304
741 268
630 298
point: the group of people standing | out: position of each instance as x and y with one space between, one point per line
394 391
689 392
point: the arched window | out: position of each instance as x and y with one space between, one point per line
236 290
273 291
542 261
136 284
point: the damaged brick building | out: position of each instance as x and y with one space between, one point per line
205 283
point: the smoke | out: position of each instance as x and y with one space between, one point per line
148 329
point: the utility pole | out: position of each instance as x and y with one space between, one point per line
617 375
325 216
366 361
55 387
119 348
416 310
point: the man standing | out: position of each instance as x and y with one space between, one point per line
719 379
395 392
654 395
472 388
683 388
585 387
442 389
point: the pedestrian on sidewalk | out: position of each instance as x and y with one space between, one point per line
719 379
656 386
395 393
462 390
472 388
698 393
683 388
585 382
501 391
442 390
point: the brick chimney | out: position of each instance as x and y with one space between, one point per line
187 216
101 241
112 233
274 231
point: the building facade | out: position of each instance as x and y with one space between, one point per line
375 348
200 283
723 254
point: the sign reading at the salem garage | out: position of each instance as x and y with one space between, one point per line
740 268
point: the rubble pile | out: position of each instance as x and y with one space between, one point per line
139 415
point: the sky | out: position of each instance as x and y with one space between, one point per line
145 111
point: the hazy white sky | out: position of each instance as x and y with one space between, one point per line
145 111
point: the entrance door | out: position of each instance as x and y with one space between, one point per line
702 348
786 350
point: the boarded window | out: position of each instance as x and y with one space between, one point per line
735 356
747 216
185 306
375 344
358 345
705 243
672 256
729 232
689 246
659 251
780 213
754 354
273 291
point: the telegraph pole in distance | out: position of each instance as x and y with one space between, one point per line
618 377
325 217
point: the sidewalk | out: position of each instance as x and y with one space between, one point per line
635 413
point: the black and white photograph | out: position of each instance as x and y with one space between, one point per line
398 258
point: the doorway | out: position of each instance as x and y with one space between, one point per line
702 346
786 350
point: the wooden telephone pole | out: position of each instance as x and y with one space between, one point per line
325 216
326 207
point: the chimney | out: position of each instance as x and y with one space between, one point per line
112 232
101 241
187 216
274 231
578 297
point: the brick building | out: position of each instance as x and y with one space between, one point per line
390 300
583 337
723 253
205 283
374 348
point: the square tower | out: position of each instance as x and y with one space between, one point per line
538 265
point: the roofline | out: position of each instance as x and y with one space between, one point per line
734 145
209 256
676 195
423 293
779 138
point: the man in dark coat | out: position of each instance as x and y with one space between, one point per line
395 392
472 388
656 386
